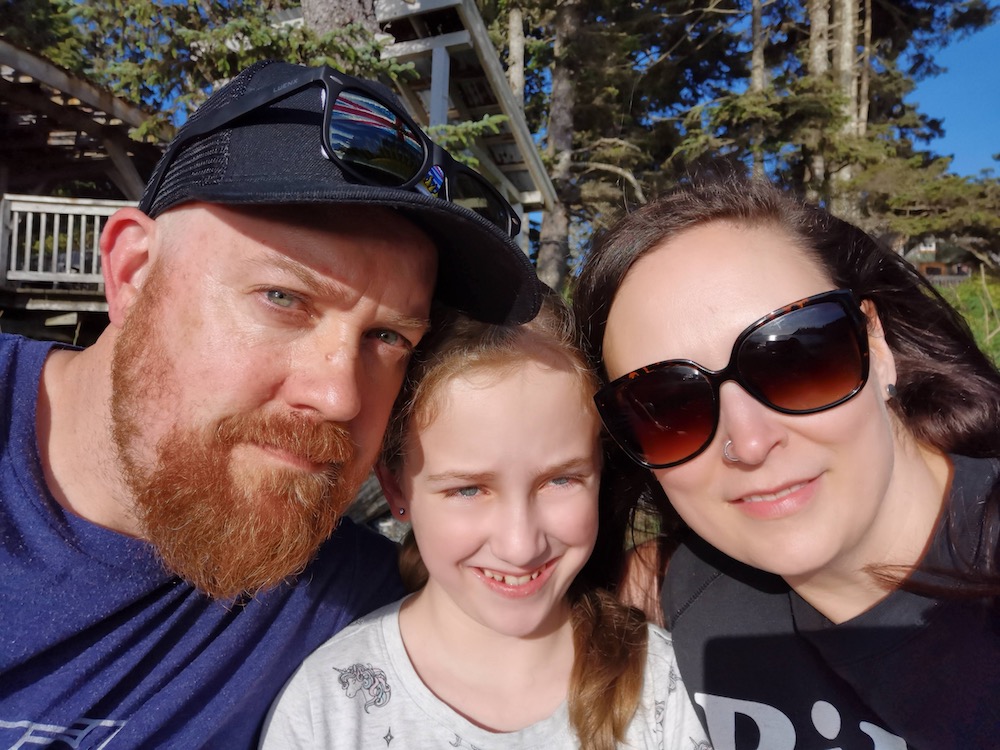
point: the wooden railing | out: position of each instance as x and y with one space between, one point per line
52 242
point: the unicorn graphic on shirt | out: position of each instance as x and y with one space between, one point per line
368 681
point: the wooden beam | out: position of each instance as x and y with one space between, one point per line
420 47
47 73
488 58
440 84
390 10
130 183
39 103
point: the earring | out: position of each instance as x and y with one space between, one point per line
402 511
891 390
725 453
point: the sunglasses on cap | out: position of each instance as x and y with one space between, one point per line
371 139
806 357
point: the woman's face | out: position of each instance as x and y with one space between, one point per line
809 493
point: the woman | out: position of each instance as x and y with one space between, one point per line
822 427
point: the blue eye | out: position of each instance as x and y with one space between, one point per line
390 337
280 298
467 491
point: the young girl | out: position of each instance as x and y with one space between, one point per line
494 458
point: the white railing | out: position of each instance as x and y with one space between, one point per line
52 240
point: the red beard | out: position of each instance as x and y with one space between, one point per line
227 531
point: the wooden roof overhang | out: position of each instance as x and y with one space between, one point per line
57 128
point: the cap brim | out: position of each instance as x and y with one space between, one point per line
480 270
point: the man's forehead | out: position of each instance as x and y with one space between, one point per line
380 256
271 223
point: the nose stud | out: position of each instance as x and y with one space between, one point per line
727 455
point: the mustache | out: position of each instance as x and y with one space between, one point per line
324 443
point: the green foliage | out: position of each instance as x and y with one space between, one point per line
459 138
659 86
978 299
167 55
636 69
45 27
915 197
662 85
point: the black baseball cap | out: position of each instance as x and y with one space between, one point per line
274 155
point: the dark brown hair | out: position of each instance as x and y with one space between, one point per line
609 638
948 391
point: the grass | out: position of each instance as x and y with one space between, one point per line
978 299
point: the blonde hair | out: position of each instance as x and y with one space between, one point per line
609 637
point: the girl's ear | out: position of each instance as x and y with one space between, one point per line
126 243
882 360
392 491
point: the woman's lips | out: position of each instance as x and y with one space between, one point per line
778 503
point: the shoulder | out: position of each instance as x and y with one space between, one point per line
360 637
660 656
361 566
18 353
701 578
973 478
968 532
327 701
354 572
669 717
349 537
350 652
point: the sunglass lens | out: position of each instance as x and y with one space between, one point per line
373 140
661 416
805 360
468 189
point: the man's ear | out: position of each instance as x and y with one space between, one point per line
392 491
126 257
882 362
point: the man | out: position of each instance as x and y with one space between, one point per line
169 494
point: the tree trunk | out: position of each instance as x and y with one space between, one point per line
819 37
553 252
819 66
515 52
845 71
865 77
845 68
323 16
757 85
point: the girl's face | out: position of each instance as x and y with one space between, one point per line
810 493
502 488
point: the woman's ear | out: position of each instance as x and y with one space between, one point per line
882 362
126 243
392 491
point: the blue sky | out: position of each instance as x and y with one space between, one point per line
967 98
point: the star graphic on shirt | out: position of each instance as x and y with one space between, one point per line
388 738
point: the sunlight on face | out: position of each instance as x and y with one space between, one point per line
253 383
797 502
503 490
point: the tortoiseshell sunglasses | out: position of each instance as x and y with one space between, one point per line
806 357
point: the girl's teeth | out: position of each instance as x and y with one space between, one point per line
511 580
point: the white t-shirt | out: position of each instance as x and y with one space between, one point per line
359 690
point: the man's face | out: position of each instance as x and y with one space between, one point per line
253 379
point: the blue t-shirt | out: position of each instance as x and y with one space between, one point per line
101 648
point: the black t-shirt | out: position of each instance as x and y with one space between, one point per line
768 671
